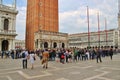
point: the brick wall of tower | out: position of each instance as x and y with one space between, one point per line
41 15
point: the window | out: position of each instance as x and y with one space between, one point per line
40 14
6 24
40 3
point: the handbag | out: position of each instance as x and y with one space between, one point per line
34 58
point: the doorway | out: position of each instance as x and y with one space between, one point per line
5 45
45 45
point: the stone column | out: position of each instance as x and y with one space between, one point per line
1 23
14 4
0 1
113 37
118 38
14 24
12 44
49 44
60 44
10 24
38 44
0 44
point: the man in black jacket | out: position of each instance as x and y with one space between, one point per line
111 53
98 54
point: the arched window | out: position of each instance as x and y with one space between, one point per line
54 45
6 24
5 45
63 45
45 45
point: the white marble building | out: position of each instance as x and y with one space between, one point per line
113 37
19 44
80 40
7 26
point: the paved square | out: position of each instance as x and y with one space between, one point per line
81 70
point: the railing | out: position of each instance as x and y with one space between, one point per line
8 32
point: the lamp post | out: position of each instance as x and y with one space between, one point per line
88 27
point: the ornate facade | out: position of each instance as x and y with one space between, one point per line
81 40
48 39
19 44
7 26
41 15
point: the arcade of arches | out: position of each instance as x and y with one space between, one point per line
48 44
45 39
52 45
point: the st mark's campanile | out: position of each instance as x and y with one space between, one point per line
41 15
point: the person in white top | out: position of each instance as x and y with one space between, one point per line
87 55
32 59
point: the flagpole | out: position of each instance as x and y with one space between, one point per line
98 30
88 27
106 30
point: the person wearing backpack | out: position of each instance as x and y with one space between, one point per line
24 59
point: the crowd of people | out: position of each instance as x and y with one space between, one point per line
59 55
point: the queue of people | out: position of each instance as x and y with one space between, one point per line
60 55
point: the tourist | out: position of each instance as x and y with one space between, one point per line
111 53
45 58
24 60
98 55
32 59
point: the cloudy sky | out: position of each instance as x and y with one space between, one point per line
73 17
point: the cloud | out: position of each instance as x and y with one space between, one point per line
75 21
73 15
21 23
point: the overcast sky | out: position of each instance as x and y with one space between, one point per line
73 17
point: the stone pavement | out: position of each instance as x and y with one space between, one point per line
81 70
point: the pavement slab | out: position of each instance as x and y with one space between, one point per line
82 70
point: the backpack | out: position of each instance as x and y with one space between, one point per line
62 56
23 55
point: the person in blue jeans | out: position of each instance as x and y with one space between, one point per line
24 61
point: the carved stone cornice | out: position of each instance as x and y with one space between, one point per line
8 9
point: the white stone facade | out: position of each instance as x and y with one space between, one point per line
7 27
45 39
19 44
81 40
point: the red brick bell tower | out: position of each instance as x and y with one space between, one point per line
41 15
